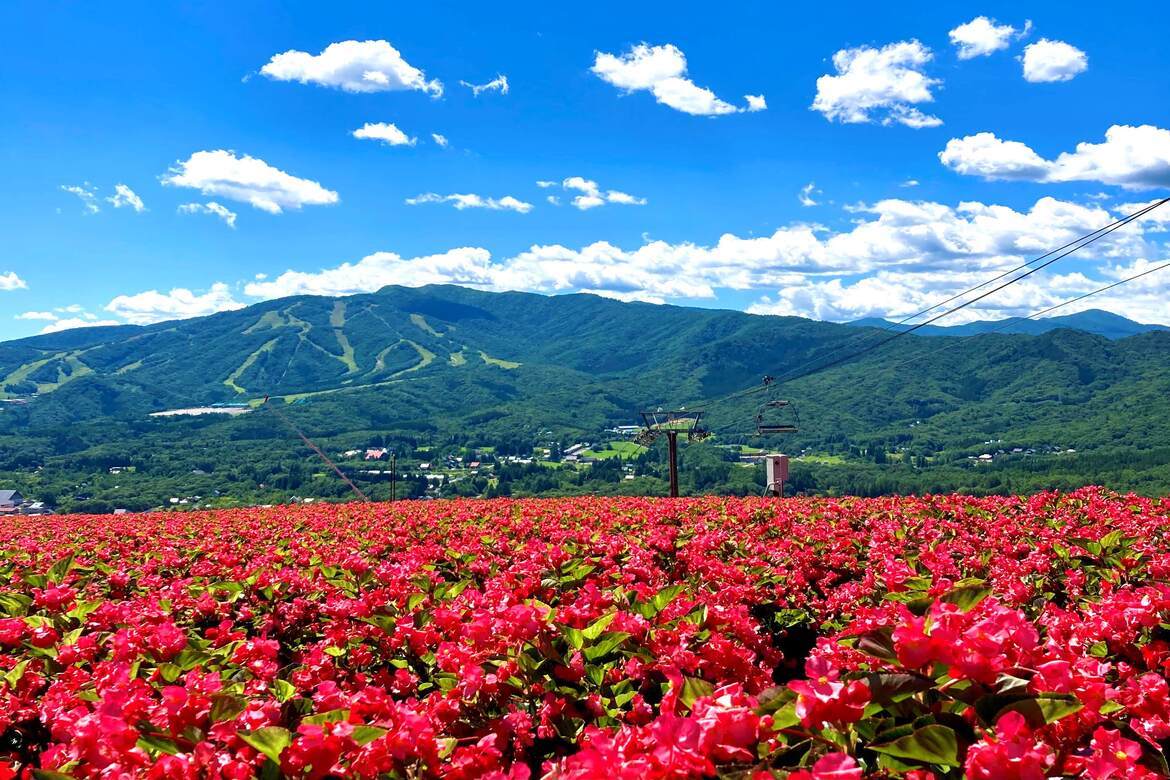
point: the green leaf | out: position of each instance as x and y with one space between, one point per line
609 642
668 594
283 690
170 672
157 743
1043 708
226 707
271 740
336 652
878 643
15 673
931 744
889 688
596 627
413 600
332 716
363 735
49 774
575 637
694 689
967 594
59 569
15 604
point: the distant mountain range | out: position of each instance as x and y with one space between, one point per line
1096 321
449 364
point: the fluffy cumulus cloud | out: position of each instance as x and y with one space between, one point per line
248 180
589 194
897 257
662 71
353 66
1047 60
440 139
386 132
878 85
498 84
1135 158
469 266
211 207
124 197
463 201
153 306
10 281
980 37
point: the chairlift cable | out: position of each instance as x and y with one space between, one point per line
1064 251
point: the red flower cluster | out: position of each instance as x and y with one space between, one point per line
822 639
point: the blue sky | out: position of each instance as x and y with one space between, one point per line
932 142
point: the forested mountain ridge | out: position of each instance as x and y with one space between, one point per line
450 366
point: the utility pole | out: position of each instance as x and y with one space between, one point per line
393 476
671 424
672 448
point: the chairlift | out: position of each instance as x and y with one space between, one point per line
776 415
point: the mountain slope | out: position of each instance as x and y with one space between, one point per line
445 367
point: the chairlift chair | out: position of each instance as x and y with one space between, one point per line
775 417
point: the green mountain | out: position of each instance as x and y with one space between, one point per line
445 366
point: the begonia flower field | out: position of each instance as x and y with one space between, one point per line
819 639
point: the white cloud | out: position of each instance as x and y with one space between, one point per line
36 315
10 281
980 37
806 194
909 183
352 66
440 139
386 132
590 194
124 196
878 85
88 195
472 201
498 84
1047 60
661 70
1156 221
1135 158
470 266
897 257
247 179
153 306
68 323
213 208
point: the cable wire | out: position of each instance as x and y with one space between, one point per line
1064 251
309 443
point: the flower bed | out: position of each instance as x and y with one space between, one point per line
576 638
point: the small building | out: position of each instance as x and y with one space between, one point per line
10 499
375 454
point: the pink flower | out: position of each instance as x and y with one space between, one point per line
831 766
823 698
1114 756
1013 754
